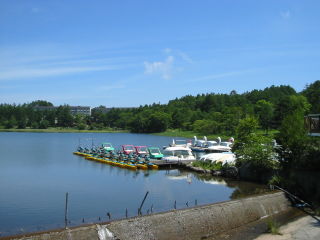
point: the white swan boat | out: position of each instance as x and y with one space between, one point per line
178 152
223 157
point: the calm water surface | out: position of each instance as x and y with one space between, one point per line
37 169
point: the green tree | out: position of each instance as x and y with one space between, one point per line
265 111
292 133
158 122
312 93
11 123
40 103
64 116
254 151
43 124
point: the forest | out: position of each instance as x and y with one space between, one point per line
203 114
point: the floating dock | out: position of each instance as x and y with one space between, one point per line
163 164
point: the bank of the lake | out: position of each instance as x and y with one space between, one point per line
63 130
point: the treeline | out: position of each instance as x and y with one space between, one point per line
203 113
25 115
213 113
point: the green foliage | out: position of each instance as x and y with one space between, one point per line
44 124
273 227
244 130
22 123
208 165
148 121
34 125
81 126
64 116
298 150
253 149
206 126
275 180
40 103
265 111
312 93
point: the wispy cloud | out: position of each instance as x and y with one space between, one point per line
184 56
163 68
222 75
285 14
178 53
23 73
23 63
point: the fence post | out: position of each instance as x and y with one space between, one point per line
66 212
139 210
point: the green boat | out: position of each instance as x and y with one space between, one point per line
107 147
155 153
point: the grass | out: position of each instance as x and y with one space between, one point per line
273 227
169 132
61 130
189 134
207 165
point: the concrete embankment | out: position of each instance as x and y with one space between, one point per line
202 222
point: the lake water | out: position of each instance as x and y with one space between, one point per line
37 169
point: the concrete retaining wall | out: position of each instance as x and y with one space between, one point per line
192 223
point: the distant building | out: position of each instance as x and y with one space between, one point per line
106 110
82 110
312 124
74 110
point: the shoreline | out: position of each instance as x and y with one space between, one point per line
62 130
168 133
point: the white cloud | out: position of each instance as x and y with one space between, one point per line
285 14
163 68
46 72
185 57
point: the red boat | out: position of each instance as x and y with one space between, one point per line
141 150
127 149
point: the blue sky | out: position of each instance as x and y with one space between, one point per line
129 53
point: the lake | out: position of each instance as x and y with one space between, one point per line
37 169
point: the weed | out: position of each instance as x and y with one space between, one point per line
273 227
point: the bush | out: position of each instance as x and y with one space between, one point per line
273 227
44 124
253 149
208 165
81 126
34 125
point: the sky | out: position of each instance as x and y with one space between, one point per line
127 53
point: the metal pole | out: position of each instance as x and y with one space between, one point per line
66 212
139 211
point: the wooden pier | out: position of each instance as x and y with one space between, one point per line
163 164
